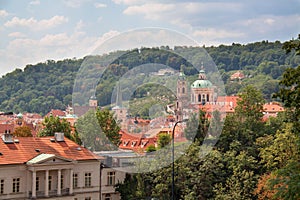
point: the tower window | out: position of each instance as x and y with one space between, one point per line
199 97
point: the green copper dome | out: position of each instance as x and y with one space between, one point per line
202 82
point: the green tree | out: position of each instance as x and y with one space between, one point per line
90 132
197 127
163 140
22 131
287 177
55 124
109 126
241 180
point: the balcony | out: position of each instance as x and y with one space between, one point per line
51 193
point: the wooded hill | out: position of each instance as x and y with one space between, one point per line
49 85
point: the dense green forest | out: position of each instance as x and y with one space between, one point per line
49 85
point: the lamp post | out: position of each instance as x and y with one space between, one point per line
173 166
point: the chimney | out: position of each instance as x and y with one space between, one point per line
59 137
7 137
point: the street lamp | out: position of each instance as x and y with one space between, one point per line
173 166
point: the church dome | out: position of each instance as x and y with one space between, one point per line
202 82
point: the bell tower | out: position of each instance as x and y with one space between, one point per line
182 95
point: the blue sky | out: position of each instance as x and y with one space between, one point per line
39 30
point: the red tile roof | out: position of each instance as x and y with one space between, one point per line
237 75
136 143
273 107
30 147
56 113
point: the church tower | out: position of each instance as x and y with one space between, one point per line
202 90
182 95
93 103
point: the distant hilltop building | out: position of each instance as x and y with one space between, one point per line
237 76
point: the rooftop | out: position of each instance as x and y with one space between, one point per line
28 148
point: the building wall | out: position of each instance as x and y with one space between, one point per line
9 172
107 188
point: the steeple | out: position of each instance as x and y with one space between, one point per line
181 73
202 75
119 96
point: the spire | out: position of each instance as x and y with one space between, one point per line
119 96
181 73
202 75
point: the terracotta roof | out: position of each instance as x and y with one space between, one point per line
4 127
237 75
136 143
30 147
56 113
273 107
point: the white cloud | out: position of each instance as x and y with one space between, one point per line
129 2
74 3
36 24
17 35
3 13
79 25
23 51
35 2
187 13
100 5
269 24
216 33
152 11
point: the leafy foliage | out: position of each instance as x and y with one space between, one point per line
22 131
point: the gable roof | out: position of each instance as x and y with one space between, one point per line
43 157
28 148
56 113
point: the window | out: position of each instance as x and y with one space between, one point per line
107 197
87 198
2 186
111 178
61 181
87 179
16 185
49 183
37 184
75 180
183 90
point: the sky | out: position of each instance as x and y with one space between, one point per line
40 30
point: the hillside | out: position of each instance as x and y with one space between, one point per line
49 85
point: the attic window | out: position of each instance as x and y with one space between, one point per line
125 143
78 149
1 154
52 139
37 150
133 144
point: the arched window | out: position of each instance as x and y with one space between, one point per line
199 97
183 90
